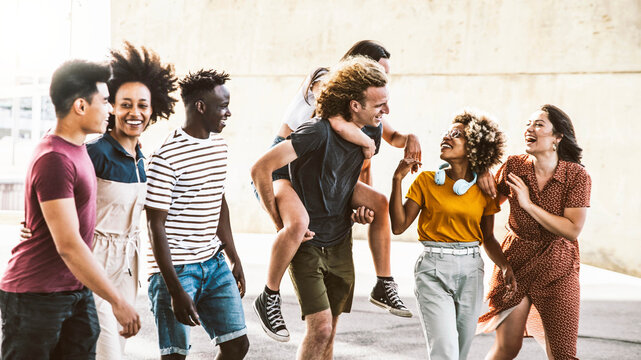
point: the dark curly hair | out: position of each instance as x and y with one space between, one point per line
568 149
485 142
194 85
133 65
348 81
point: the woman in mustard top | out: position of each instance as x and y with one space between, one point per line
455 218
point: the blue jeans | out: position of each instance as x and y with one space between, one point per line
213 288
59 325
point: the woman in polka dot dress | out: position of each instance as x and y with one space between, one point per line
549 193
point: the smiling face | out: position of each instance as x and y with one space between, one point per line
373 108
453 143
216 109
539 134
132 109
96 112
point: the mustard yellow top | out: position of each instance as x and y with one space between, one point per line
445 216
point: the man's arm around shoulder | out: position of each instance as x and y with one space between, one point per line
62 219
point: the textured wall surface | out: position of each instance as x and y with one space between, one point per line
505 57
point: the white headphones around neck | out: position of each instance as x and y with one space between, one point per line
460 187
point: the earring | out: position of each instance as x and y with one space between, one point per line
553 146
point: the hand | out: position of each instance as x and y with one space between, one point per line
370 149
127 317
520 190
308 235
487 184
25 232
184 309
363 215
404 167
413 151
510 281
239 275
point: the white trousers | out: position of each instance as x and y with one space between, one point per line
449 292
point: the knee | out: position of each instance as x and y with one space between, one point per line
380 203
322 333
510 349
235 349
297 228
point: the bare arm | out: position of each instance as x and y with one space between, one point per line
261 173
183 305
569 225
493 250
352 133
402 215
487 184
410 142
62 219
224 233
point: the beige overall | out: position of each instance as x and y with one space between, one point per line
115 247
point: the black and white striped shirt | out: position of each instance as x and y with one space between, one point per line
186 177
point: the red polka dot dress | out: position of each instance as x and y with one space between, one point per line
546 265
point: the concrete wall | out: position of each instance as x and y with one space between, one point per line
506 57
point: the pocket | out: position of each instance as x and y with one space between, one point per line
180 269
425 265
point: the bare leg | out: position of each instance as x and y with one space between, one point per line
509 334
289 238
329 351
319 336
235 349
379 232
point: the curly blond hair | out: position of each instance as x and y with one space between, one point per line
348 81
485 142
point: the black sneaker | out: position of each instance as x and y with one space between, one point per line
267 307
385 295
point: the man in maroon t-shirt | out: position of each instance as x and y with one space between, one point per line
47 306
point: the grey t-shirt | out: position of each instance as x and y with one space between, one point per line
324 176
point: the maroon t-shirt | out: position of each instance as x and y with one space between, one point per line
59 170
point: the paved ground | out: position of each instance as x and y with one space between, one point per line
610 325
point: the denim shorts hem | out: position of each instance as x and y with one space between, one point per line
174 350
230 336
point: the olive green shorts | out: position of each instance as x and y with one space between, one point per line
323 278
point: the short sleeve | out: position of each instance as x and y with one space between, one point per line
161 180
501 179
97 157
415 192
492 206
53 177
579 189
309 137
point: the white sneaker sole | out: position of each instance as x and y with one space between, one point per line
276 337
393 311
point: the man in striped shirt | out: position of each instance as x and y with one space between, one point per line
188 221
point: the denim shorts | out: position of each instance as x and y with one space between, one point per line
278 174
213 288
59 325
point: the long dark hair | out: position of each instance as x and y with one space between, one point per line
368 48
568 148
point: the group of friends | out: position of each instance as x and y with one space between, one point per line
69 289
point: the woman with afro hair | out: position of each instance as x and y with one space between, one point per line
455 218
139 91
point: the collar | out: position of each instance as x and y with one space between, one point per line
107 136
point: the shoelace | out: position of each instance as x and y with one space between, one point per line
274 316
392 294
